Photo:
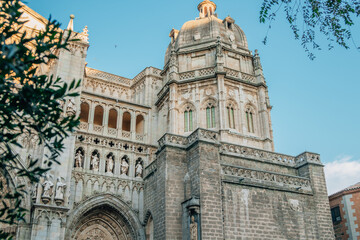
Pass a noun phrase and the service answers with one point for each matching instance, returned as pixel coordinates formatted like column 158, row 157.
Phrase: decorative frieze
column 257, row 154
column 252, row 176
column 184, row 142
column 90, row 72
column 114, row 143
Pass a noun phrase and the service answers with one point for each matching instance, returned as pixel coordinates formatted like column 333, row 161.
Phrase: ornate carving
column 47, row 189
column 71, row 108
column 95, row 162
column 257, row 154
column 139, row 168
column 187, row 75
column 59, row 191
column 193, row 229
column 293, row 181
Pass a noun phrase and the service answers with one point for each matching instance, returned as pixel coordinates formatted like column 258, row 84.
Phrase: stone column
column 106, row 119
column 133, row 125
column 172, row 108
column 91, row 117
column 119, row 123
column 264, row 120
column 221, row 94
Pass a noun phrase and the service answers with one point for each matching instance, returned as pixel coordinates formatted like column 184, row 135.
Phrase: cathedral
column 181, row 153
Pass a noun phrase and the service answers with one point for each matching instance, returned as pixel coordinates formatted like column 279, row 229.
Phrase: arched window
column 84, row 112
column 150, row 229
column 231, row 116
column 126, row 121
column 210, row 116
column 98, row 116
column 112, row 118
column 188, row 120
column 140, row 122
column 250, row 120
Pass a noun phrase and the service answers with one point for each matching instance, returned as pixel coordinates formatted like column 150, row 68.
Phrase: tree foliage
column 332, row 18
column 30, row 103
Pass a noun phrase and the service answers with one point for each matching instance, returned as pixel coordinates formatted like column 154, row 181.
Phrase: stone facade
column 345, row 211
column 185, row 152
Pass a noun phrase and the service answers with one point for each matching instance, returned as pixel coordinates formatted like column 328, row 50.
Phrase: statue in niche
column 124, row 167
column 193, row 229
column 59, row 189
column 110, row 164
column 71, row 108
column 138, row 169
column 95, row 162
column 34, row 191
column 47, row 187
column 78, row 159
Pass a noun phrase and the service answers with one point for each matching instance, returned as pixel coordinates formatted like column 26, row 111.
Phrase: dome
column 208, row 28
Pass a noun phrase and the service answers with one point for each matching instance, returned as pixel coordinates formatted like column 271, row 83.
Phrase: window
column 188, row 120
column 335, row 214
column 210, row 116
column 126, row 122
column 231, row 117
column 250, row 120
column 98, row 116
column 84, row 113
column 140, row 124
column 112, row 118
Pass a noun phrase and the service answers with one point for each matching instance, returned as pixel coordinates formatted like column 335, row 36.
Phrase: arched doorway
column 102, row 223
column 104, row 217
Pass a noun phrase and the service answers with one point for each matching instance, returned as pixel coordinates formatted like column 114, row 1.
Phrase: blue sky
column 315, row 103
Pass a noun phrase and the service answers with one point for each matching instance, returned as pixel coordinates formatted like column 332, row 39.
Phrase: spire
column 206, row 8
column 71, row 23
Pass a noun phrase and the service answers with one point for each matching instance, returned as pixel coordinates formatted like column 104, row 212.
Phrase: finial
column 206, row 8
column 71, row 23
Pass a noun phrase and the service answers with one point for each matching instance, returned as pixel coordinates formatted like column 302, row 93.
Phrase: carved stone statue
column 193, row 229
column 110, row 164
column 95, row 163
column 59, row 189
column 71, row 108
column 78, row 159
column 138, row 169
column 124, row 167
column 47, row 187
column 34, row 191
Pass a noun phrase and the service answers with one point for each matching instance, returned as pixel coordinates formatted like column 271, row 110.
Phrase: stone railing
column 257, row 154
column 246, row 175
column 248, row 77
column 187, row 75
column 112, row 131
column 126, row 134
column 98, row 129
column 206, row 72
column 139, row 137
column 231, row 72
column 84, row 126
column 184, row 142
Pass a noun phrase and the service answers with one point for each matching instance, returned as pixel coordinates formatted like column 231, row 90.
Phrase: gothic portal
column 183, row 152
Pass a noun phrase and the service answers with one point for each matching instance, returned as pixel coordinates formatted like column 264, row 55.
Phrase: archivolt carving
column 104, row 215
